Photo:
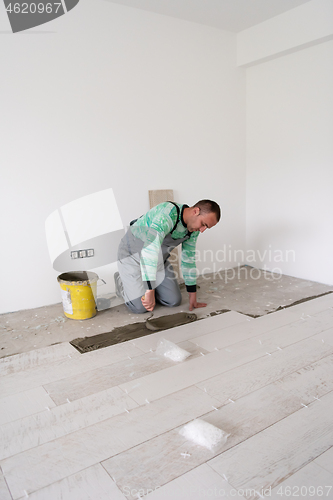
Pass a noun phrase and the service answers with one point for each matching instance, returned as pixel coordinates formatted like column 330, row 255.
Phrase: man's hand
column 148, row 300
column 193, row 301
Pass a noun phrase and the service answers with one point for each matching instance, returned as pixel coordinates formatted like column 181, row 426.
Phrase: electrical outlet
column 81, row 254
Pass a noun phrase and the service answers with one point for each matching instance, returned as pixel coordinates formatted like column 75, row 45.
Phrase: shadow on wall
column 84, row 234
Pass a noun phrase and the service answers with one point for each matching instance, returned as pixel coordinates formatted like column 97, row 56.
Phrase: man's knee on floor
column 136, row 307
column 176, row 303
column 173, row 301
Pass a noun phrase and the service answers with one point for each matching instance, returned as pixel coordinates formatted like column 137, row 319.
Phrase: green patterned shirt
column 152, row 228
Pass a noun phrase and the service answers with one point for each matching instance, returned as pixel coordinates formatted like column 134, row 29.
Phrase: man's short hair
column 208, row 206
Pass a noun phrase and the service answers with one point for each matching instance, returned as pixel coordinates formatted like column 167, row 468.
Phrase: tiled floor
column 105, row 425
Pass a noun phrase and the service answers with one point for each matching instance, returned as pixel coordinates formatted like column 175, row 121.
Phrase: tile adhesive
column 132, row 331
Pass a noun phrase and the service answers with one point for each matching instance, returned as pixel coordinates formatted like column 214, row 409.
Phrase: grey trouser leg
column 168, row 292
column 136, row 306
column 133, row 289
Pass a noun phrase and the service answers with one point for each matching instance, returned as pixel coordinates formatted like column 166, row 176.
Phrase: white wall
column 109, row 96
column 298, row 28
column 289, row 163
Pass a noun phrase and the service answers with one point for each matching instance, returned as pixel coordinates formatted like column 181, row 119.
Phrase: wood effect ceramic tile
column 323, row 316
column 38, row 357
column 53, row 461
column 4, row 491
column 265, row 330
column 226, row 337
column 154, row 463
column 183, row 375
column 102, row 378
column 310, row 382
column 62, row 368
column 325, row 337
column 276, row 319
column 266, row 327
column 93, row 483
column 253, row 413
column 290, row 315
column 46, row 426
column 279, row 337
column 293, row 332
column 326, row 460
column 270, row 457
column 314, row 305
column 192, row 330
column 197, row 484
column 164, row 458
column 309, row 482
column 258, row 373
column 23, row 404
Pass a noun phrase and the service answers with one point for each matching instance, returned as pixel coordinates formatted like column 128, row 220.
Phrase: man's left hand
column 193, row 301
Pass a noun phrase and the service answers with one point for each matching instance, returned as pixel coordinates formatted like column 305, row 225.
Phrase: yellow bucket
column 78, row 293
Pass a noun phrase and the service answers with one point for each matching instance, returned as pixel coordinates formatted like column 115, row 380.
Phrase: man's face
column 200, row 221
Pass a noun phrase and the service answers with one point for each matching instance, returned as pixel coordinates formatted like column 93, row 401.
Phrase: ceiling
column 229, row 15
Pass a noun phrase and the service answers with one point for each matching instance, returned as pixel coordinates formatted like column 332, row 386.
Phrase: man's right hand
column 148, row 300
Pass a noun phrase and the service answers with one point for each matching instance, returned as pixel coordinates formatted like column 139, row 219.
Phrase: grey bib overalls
column 166, row 287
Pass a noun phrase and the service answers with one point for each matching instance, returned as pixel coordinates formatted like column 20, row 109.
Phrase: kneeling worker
column 145, row 273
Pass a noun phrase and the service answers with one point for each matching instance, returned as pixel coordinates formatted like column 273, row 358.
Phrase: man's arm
column 153, row 237
column 189, row 270
column 157, row 224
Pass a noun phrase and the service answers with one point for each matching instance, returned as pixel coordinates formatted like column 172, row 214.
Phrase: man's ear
column 196, row 211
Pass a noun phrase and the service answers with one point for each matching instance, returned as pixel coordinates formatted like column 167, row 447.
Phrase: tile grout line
column 253, row 361
column 214, row 456
column 235, row 367
column 62, row 479
column 195, row 385
column 5, row 480
column 271, row 426
column 268, row 426
column 96, row 423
